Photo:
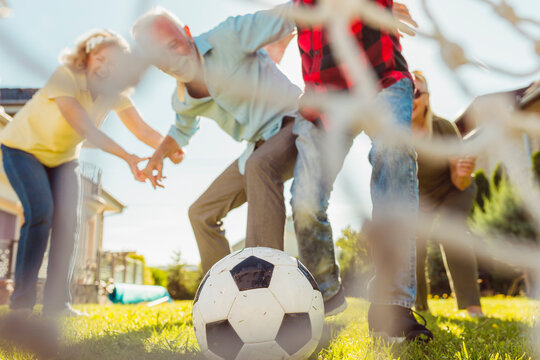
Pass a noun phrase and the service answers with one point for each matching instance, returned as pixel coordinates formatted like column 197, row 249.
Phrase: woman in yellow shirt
column 40, row 148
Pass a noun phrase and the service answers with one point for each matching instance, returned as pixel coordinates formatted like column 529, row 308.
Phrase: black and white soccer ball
column 258, row 303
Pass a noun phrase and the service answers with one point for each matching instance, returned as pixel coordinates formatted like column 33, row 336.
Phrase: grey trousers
column 261, row 186
column 459, row 258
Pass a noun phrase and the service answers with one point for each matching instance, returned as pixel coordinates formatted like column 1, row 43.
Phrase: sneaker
column 396, row 324
column 336, row 304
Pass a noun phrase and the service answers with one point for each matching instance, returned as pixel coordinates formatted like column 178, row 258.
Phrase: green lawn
column 166, row 332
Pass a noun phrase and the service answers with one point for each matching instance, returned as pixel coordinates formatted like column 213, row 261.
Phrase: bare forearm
column 167, row 147
column 102, row 141
column 138, row 127
column 78, row 119
column 151, row 137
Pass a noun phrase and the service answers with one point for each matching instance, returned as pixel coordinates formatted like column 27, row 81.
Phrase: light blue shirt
column 249, row 94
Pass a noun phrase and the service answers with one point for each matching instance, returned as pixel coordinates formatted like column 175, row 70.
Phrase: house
column 525, row 99
column 97, row 203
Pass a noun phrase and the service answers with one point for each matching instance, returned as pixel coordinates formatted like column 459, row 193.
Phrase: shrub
column 182, row 284
column 159, row 276
column 503, row 215
column 355, row 261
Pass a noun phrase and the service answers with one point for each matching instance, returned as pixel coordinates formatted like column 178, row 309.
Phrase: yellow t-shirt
column 40, row 129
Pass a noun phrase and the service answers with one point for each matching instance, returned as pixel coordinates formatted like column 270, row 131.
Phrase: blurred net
column 499, row 119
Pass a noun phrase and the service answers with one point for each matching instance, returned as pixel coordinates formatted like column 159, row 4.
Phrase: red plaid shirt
column 322, row 72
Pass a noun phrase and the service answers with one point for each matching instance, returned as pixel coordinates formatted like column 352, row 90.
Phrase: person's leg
column 421, row 303
column 394, row 193
column 458, row 254
column 206, row 215
column 316, row 169
column 65, row 185
column 29, row 179
column 266, row 169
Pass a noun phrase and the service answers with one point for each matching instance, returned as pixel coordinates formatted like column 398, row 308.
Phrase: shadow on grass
column 470, row 338
column 132, row 345
column 330, row 331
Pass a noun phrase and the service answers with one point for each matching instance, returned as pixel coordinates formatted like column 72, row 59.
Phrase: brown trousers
column 261, row 186
column 458, row 255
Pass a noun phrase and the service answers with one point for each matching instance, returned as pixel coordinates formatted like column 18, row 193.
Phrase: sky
column 155, row 222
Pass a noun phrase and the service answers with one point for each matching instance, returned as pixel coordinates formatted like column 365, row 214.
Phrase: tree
column 503, row 215
column 182, row 284
column 159, row 276
column 355, row 261
column 482, row 184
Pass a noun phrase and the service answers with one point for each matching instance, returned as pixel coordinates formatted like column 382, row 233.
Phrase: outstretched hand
column 154, row 172
column 401, row 12
column 133, row 163
column 177, row 156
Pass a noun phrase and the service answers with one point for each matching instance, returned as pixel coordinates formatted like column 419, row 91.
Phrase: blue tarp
column 133, row 294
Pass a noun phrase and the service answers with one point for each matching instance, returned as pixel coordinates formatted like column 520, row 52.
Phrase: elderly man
column 226, row 75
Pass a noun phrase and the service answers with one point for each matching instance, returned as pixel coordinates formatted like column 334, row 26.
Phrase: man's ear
column 163, row 25
column 188, row 32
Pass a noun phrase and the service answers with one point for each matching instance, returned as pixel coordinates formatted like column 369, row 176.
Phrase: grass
column 166, row 332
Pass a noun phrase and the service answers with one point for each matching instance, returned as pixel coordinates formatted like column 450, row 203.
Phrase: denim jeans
column 394, row 193
column 50, row 200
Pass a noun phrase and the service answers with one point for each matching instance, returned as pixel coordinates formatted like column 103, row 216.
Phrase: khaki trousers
column 270, row 165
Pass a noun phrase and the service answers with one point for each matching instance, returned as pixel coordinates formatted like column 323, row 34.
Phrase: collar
column 204, row 47
column 202, row 44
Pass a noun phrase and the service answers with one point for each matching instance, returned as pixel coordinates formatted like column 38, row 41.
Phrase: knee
column 307, row 214
column 258, row 167
column 195, row 214
column 39, row 214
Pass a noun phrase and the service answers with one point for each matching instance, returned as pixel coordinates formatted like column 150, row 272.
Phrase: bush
column 159, row 276
column 436, row 271
column 503, row 215
column 355, row 262
column 483, row 189
column 182, row 284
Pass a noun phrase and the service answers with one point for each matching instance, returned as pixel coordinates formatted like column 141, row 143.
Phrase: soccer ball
column 258, row 303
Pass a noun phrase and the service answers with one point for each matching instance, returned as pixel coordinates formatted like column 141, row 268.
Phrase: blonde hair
column 76, row 58
column 418, row 75
column 142, row 28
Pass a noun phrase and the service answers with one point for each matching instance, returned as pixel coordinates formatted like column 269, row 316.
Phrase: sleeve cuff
column 180, row 138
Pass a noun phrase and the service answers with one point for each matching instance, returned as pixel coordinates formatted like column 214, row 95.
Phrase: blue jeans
column 50, row 200
column 394, row 193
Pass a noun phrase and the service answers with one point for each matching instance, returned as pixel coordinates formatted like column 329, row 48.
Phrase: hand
column 465, row 166
column 133, row 163
column 177, row 156
column 401, row 12
column 154, row 171
column 309, row 113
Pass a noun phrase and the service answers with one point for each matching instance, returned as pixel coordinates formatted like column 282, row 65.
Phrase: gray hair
column 142, row 28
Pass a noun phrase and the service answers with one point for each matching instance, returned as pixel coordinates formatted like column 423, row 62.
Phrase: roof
column 14, row 99
column 4, row 118
column 466, row 123
column 531, row 95
column 16, row 96
column 112, row 204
